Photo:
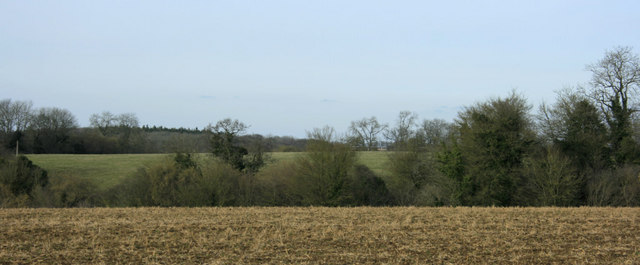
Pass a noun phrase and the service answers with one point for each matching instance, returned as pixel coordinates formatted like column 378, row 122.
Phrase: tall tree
column 366, row 132
column 123, row 127
column 127, row 120
column 403, row 131
column 575, row 126
column 109, row 123
column 103, row 121
column 325, row 170
column 225, row 145
column 14, row 120
column 553, row 179
column 434, row 132
column 51, row 128
column 224, row 142
column 326, row 134
column 493, row 139
column 616, row 78
column 14, row 116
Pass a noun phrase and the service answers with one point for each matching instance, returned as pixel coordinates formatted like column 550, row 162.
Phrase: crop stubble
column 321, row 235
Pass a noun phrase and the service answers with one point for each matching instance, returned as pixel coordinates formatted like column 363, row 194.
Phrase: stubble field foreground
column 321, row 235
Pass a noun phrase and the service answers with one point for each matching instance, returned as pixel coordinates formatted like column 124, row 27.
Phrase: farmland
column 108, row 170
column 103, row 170
column 361, row 235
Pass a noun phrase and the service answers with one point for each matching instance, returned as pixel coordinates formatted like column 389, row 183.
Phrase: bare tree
column 54, row 119
column 129, row 120
column 51, row 128
column 125, row 127
column 108, row 122
column 555, row 181
column 404, row 130
column 103, row 121
column 6, row 118
column 366, row 131
column 325, row 134
column 615, row 187
column 14, row 116
column 14, row 121
column 434, row 131
column 616, row 78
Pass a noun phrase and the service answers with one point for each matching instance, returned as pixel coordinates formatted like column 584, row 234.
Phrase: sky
column 286, row 67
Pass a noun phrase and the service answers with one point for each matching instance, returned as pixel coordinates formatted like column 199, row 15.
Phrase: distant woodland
column 583, row 149
column 56, row 131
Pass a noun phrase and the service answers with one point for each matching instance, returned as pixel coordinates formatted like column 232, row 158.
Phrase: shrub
column 615, row 187
column 553, row 180
column 18, row 178
column 132, row 191
column 369, row 189
column 170, row 182
column 417, row 180
column 277, row 185
column 180, row 182
column 324, row 174
column 71, row 191
column 220, row 181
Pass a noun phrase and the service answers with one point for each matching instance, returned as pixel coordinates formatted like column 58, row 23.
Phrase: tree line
column 581, row 150
column 56, row 131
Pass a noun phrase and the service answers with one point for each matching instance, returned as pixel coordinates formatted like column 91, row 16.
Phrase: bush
column 278, row 185
column 493, row 139
column 182, row 182
column 18, row 178
column 416, row 179
column 324, row 174
column 412, row 166
column 70, row 191
column 10, row 200
column 170, row 182
column 369, row 189
column 221, row 183
column 132, row 191
column 615, row 187
column 553, row 180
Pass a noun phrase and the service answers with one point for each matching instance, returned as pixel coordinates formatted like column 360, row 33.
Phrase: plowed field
column 321, row 235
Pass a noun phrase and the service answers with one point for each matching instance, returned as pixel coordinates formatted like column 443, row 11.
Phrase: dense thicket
column 19, row 181
column 581, row 150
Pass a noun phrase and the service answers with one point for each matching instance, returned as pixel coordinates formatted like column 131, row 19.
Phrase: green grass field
column 108, row 170
column 103, row 170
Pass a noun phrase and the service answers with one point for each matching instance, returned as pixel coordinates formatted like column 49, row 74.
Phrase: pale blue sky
column 285, row 67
